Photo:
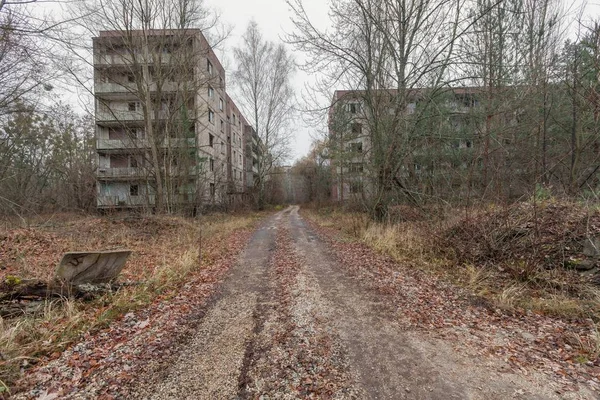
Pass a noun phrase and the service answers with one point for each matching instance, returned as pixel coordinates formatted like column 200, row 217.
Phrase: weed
column 165, row 252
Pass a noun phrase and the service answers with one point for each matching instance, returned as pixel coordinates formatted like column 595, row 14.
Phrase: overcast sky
column 273, row 18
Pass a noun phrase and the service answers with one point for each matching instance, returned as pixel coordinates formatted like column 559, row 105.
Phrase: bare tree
column 26, row 62
column 263, row 76
column 386, row 52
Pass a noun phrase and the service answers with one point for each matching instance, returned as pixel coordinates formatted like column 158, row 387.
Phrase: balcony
column 114, row 89
column 125, row 201
column 120, row 144
column 107, row 59
column 113, row 173
column 118, row 116
column 132, row 144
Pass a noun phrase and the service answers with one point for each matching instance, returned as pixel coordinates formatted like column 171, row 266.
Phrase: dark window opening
column 211, row 140
column 134, row 190
column 356, row 147
column 356, row 187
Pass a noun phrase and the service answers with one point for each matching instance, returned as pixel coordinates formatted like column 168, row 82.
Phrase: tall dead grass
column 166, row 251
column 518, row 285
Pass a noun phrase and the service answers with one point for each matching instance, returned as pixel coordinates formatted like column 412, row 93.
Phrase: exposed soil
column 302, row 314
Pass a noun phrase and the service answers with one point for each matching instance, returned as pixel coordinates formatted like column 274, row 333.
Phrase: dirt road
column 290, row 322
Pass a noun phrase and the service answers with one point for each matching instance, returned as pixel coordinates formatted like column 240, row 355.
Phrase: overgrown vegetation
column 166, row 252
column 517, row 258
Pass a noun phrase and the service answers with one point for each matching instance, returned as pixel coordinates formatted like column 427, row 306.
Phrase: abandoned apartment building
column 349, row 133
column 167, row 131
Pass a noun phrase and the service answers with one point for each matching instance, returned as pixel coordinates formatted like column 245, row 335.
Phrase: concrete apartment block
column 163, row 114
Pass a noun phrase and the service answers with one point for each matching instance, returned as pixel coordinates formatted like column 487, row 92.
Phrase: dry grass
column 165, row 253
column 514, row 285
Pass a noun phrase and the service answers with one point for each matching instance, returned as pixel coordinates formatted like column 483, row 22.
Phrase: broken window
column 356, row 167
column 356, row 187
column 356, row 147
column 353, row 108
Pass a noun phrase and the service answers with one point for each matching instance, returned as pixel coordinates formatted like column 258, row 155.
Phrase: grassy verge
column 510, row 284
column 166, row 252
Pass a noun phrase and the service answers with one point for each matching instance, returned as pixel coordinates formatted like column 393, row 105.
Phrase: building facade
column 168, row 134
column 351, row 144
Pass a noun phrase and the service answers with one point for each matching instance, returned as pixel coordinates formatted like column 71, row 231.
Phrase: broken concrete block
column 91, row 267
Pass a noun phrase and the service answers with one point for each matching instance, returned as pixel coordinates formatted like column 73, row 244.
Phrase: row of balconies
column 114, row 88
column 124, row 144
column 137, row 115
column 140, row 201
column 107, row 58
column 115, row 201
column 135, row 172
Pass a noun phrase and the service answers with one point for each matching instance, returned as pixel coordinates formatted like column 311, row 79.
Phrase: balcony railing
column 129, row 144
column 107, row 88
column 127, row 59
column 119, row 115
column 125, row 201
column 138, row 115
column 120, row 172
column 116, row 144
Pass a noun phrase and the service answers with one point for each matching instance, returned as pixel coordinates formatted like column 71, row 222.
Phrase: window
column 353, row 108
column 209, row 66
column 356, row 147
column 134, row 190
column 212, row 165
column 132, row 106
column 355, row 187
column 130, row 77
column 211, row 140
column 221, row 104
column 211, row 116
column 133, row 162
column 357, row 128
column 356, row 167
column 212, row 189
column 233, row 115
column 211, row 92
column 222, row 126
